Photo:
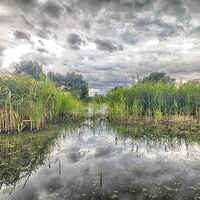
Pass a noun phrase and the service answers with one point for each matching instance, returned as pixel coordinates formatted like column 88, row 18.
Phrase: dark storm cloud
column 68, row 9
column 131, row 37
column 86, row 24
column 97, row 84
column 74, row 41
column 42, row 50
column 194, row 6
column 103, row 68
column 52, row 9
column 167, row 33
column 2, row 48
column 74, row 47
column 105, row 79
column 55, row 36
column 41, row 42
column 151, row 27
column 125, row 29
column 27, row 2
column 195, row 32
column 43, row 34
column 142, row 3
column 25, row 5
column 118, row 6
column 178, row 70
column 46, row 23
column 174, row 7
column 25, row 20
column 22, row 35
column 146, row 22
column 120, row 47
column 107, row 45
column 98, row 2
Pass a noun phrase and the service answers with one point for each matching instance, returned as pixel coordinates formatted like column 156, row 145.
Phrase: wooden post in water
column 101, row 179
column 59, row 167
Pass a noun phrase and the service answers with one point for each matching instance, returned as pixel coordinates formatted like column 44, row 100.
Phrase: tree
column 156, row 77
column 33, row 69
column 72, row 82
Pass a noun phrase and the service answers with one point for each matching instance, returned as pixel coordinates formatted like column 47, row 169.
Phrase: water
column 94, row 160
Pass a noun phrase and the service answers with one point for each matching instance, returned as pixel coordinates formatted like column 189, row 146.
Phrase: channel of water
column 96, row 160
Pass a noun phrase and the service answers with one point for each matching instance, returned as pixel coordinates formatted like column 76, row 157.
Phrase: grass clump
column 26, row 102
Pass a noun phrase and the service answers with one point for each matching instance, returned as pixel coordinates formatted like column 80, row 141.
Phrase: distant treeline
column 29, row 103
column 71, row 82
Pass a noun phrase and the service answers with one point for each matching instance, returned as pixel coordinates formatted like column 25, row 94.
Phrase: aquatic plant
column 155, row 99
column 24, row 100
column 21, row 154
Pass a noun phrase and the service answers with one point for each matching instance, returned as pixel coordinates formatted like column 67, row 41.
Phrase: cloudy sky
column 107, row 41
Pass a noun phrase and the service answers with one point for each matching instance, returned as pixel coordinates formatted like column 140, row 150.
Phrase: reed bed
column 155, row 103
column 25, row 102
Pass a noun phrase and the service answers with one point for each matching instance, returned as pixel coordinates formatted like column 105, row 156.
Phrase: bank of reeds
column 25, row 102
column 155, row 102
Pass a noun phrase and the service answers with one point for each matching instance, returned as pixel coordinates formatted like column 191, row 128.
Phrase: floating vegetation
column 54, row 195
column 21, row 154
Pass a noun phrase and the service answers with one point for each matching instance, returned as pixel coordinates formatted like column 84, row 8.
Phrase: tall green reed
column 156, row 99
column 34, row 102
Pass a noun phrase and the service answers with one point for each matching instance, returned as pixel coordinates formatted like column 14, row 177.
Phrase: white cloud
column 93, row 91
column 121, row 38
column 52, row 46
column 152, row 42
column 13, row 54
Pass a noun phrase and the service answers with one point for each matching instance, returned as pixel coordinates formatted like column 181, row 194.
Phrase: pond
column 96, row 160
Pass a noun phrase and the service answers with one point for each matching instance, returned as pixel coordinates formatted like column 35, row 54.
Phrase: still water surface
column 97, row 161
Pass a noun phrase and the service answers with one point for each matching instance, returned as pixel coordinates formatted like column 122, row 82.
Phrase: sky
column 107, row 41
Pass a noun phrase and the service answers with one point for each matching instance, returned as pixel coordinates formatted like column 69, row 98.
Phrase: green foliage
column 24, row 100
column 71, row 82
column 100, row 98
column 33, row 69
column 155, row 97
column 157, row 77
